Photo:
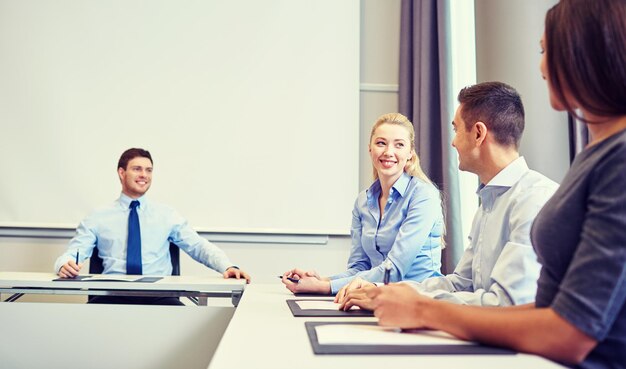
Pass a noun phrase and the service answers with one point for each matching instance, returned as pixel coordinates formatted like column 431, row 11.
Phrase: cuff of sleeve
column 58, row 265
column 336, row 284
column 223, row 265
column 417, row 286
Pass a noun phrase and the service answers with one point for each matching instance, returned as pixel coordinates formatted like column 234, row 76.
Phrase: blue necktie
column 133, row 250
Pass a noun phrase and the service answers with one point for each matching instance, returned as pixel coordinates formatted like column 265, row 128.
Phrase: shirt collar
column 501, row 183
column 508, row 176
column 125, row 201
column 400, row 186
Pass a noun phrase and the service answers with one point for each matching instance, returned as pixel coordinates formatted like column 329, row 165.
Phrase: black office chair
column 95, row 262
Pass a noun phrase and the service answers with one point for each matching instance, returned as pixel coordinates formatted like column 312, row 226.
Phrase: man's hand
column 69, row 269
column 397, row 305
column 357, row 298
column 236, row 273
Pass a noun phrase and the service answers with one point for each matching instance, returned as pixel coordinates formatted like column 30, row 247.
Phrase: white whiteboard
column 249, row 108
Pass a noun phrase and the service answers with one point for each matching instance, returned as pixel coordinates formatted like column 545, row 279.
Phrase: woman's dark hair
column 585, row 41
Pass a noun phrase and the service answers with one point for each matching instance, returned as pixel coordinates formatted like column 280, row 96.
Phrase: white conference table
column 264, row 334
column 102, row 336
column 197, row 288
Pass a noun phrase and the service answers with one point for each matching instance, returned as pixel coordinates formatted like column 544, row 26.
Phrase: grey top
column 580, row 240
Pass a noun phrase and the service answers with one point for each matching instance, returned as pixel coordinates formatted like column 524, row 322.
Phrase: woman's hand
column 308, row 285
column 356, row 283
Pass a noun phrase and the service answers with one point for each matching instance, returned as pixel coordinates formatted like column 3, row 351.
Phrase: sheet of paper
column 356, row 334
column 320, row 305
column 113, row 278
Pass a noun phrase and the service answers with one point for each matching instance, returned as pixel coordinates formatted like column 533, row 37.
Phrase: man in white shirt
column 499, row 267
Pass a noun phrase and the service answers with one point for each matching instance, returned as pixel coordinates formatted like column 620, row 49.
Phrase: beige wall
column 379, row 71
column 507, row 50
column 380, row 53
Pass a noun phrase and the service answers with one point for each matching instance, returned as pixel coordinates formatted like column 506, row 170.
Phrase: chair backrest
column 95, row 262
column 175, row 256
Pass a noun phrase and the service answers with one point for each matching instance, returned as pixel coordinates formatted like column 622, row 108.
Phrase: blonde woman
column 397, row 223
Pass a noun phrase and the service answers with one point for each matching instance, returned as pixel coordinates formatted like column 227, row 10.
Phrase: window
column 463, row 50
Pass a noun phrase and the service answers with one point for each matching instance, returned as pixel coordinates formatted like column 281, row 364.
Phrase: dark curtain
column 426, row 98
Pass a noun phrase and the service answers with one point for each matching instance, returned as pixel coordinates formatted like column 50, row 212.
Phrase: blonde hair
column 412, row 166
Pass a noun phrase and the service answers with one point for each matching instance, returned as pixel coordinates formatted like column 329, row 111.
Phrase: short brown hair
column 130, row 154
column 498, row 106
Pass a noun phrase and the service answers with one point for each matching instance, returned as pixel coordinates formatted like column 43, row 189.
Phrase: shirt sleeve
column 513, row 282
column 82, row 243
column 447, row 287
column 423, row 212
column 593, row 290
column 199, row 248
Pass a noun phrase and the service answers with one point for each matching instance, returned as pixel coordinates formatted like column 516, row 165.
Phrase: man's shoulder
column 533, row 189
column 533, row 180
column 164, row 213
column 160, row 207
column 103, row 215
column 109, row 208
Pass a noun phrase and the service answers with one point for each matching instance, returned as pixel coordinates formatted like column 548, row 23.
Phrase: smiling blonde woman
column 397, row 223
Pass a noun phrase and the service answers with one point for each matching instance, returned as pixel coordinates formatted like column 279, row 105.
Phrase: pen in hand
column 388, row 266
column 77, row 253
column 290, row 279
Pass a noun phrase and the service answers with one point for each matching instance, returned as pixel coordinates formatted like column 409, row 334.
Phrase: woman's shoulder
column 610, row 147
column 605, row 156
column 372, row 190
column 362, row 197
column 419, row 187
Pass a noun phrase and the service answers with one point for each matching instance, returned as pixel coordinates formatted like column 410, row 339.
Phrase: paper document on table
column 320, row 305
column 113, row 278
column 109, row 278
column 366, row 338
column 356, row 334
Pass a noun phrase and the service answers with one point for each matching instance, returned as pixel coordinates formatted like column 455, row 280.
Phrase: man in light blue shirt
column 499, row 267
column 108, row 229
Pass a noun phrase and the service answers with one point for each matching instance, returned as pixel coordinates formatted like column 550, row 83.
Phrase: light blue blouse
column 408, row 234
